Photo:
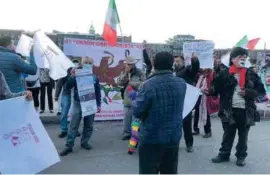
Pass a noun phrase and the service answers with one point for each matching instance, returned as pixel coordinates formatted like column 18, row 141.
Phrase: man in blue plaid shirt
column 159, row 105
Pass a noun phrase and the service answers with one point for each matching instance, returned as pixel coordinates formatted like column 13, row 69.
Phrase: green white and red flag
column 110, row 26
column 252, row 43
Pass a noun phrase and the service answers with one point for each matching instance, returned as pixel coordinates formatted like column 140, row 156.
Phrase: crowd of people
column 153, row 102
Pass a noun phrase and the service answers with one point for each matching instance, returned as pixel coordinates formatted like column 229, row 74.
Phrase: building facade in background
column 173, row 45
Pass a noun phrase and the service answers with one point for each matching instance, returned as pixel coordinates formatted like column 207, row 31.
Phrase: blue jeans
column 65, row 105
column 75, row 123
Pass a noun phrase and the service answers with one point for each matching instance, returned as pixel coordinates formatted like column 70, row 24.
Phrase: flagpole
column 120, row 28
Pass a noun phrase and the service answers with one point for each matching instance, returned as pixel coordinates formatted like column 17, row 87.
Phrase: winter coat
column 224, row 85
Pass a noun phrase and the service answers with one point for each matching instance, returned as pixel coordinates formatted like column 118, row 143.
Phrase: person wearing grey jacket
column 13, row 66
column 134, row 77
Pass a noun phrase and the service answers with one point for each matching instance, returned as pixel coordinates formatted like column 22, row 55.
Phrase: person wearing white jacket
column 33, row 85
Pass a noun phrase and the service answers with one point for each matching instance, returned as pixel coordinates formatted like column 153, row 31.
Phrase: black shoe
column 78, row 135
column 62, row 135
column 51, row 111
column 130, row 152
column 196, row 133
column 240, row 162
column 65, row 152
column 86, row 146
column 58, row 113
column 126, row 137
column 190, row 149
column 41, row 112
column 219, row 159
column 207, row 135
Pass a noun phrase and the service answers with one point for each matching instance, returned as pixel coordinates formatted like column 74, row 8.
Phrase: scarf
column 242, row 75
column 203, row 106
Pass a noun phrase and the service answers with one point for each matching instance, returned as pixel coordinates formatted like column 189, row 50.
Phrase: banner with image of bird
column 108, row 65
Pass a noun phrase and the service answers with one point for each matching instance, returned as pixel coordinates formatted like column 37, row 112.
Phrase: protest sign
column 86, row 91
column 191, row 98
column 203, row 50
column 108, row 65
column 25, row 145
column 59, row 63
column 24, row 45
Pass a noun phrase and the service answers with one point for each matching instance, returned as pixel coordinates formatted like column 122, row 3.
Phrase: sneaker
column 196, row 133
column 240, row 162
column 51, row 111
column 78, row 135
column 219, row 159
column 207, row 135
column 62, row 134
column 86, row 146
column 65, row 152
column 190, row 149
column 41, row 112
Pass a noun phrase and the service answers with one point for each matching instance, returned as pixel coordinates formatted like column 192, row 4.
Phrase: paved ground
column 109, row 154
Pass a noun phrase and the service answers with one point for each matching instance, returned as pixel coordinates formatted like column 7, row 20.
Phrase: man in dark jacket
column 77, row 112
column 188, row 73
column 238, row 88
column 159, row 105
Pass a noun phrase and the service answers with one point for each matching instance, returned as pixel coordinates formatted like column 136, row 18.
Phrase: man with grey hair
column 134, row 77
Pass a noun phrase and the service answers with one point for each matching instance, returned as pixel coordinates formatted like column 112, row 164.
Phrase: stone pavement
column 109, row 154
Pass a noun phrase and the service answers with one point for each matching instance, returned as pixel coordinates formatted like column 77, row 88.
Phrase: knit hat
column 237, row 51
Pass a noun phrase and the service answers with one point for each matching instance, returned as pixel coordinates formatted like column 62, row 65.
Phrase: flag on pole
column 243, row 42
column 252, row 43
column 110, row 26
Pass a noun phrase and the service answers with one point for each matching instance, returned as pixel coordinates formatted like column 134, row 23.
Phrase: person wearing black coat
column 238, row 87
column 188, row 73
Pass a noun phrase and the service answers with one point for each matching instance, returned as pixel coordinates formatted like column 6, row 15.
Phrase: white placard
column 59, row 63
column 191, row 98
column 203, row 50
column 25, row 145
column 24, row 45
column 86, row 92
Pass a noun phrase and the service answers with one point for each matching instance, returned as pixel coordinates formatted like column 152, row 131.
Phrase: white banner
column 47, row 49
column 108, row 64
column 86, row 92
column 25, row 145
column 191, row 98
column 203, row 50
column 24, row 45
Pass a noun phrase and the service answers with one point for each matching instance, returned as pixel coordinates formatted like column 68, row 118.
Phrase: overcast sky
column 223, row 21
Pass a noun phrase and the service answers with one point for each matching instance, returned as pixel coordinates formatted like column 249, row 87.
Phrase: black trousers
column 49, row 88
column 35, row 94
column 197, row 116
column 207, row 126
column 240, row 125
column 187, row 127
column 157, row 158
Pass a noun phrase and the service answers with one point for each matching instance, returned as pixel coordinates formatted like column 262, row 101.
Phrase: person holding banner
column 134, row 77
column 88, row 121
column 238, row 88
column 5, row 92
column 159, row 105
column 13, row 66
column 188, row 73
